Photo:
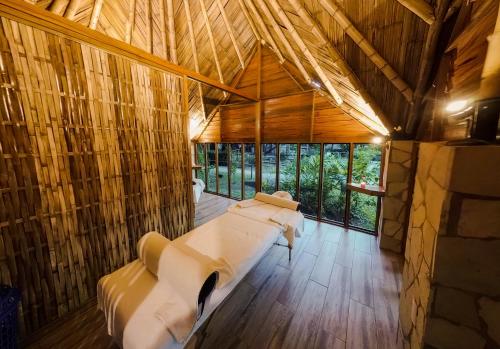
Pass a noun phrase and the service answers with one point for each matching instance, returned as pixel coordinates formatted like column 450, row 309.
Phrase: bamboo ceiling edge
column 32, row 15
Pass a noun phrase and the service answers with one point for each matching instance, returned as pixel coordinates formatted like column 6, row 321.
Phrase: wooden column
column 258, row 116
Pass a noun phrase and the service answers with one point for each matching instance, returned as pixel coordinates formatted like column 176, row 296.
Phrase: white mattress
column 241, row 241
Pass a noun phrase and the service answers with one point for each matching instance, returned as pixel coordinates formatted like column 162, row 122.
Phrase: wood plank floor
column 338, row 291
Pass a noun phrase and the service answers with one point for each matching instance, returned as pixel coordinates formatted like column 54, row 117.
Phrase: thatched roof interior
column 379, row 93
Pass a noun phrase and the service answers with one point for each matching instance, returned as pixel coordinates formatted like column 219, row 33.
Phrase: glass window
column 335, row 168
column 249, row 176
column 200, row 160
column 309, row 178
column 268, row 159
column 288, row 169
column 366, row 168
column 236, row 179
column 211, row 180
column 222, row 166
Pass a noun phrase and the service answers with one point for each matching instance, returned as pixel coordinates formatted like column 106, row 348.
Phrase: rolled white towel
column 249, row 203
column 277, row 201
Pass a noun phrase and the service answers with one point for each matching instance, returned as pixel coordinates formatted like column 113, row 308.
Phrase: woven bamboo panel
column 93, row 154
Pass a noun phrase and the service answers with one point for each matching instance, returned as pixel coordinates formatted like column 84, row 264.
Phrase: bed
column 134, row 297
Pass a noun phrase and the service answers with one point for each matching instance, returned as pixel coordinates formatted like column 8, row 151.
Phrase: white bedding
column 134, row 295
column 291, row 222
column 198, row 188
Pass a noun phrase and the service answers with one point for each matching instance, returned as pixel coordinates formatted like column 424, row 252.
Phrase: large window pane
column 200, row 160
column 236, row 171
column 335, row 167
column 211, row 185
column 309, row 178
column 223, row 168
column 249, row 176
column 366, row 168
column 288, row 169
column 268, row 168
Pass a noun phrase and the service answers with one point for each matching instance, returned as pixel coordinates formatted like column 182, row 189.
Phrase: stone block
column 426, row 157
column 441, row 166
column 395, row 188
column 490, row 313
column 392, row 208
column 475, row 170
column 406, row 146
column 456, row 306
column 397, row 173
column 468, row 264
column 390, row 228
column 399, row 156
column 479, row 218
column 443, row 334
column 418, row 217
column 390, row 243
column 434, row 197
column 418, row 194
column 429, row 236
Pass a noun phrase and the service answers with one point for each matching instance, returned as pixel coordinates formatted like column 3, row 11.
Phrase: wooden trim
column 320, row 184
column 372, row 190
column 129, row 26
column 297, row 174
column 242, row 171
column 345, row 23
column 421, row 8
column 305, row 51
column 311, row 124
column 171, row 32
column 249, row 20
column 217, row 168
column 34, row 16
column 258, row 121
column 185, row 111
column 96, row 12
column 347, row 208
column 211, row 40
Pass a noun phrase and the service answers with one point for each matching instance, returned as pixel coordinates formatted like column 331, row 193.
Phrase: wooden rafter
column 58, row 6
column 339, row 61
column 249, row 20
column 171, row 32
column 230, row 30
column 283, row 40
column 426, row 61
column 96, row 12
column 149, row 27
column 163, row 29
column 421, row 8
column 130, row 22
column 305, row 50
column 211, row 39
column 194, row 50
column 266, row 32
column 331, row 7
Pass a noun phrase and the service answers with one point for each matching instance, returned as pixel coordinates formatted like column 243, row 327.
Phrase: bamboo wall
column 93, row 154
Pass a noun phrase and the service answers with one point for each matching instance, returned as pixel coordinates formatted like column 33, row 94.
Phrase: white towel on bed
column 249, row 203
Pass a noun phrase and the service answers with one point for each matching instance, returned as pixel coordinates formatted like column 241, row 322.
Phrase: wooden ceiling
column 372, row 58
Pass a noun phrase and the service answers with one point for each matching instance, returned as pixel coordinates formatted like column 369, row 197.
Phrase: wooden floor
column 338, row 291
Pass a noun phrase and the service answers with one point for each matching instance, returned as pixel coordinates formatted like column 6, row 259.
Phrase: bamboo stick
column 421, row 8
column 211, row 39
column 331, row 7
column 283, row 40
column 58, row 6
column 96, row 11
column 340, row 63
column 231, row 33
column 72, row 9
column 149, row 27
column 266, row 32
column 163, row 29
column 310, row 57
column 171, row 32
column 130, row 22
column 249, row 20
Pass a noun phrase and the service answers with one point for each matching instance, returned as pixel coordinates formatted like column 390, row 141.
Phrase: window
column 211, row 180
column 200, row 160
column 249, row 175
column 309, row 178
column 366, row 168
column 268, row 159
column 236, row 178
column 223, row 168
column 288, row 169
column 335, row 170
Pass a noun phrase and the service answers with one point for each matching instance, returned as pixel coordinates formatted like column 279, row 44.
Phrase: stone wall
column 402, row 155
column 451, row 278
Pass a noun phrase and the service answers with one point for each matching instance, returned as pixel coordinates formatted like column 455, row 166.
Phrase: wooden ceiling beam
column 31, row 15
column 149, row 27
column 129, row 26
column 163, row 28
column 331, row 7
column 340, row 62
column 194, row 51
column 421, row 8
column 283, row 39
column 171, row 32
column 266, row 31
column 72, row 9
column 305, row 50
column 426, row 62
column 58, row 6
column 96, row 12
column 230, row 30
column 249, row 20
column 211, row 39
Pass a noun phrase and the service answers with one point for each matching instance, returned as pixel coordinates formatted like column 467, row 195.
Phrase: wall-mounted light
column 457, row 106
column 315, row 84
column 377, row 140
